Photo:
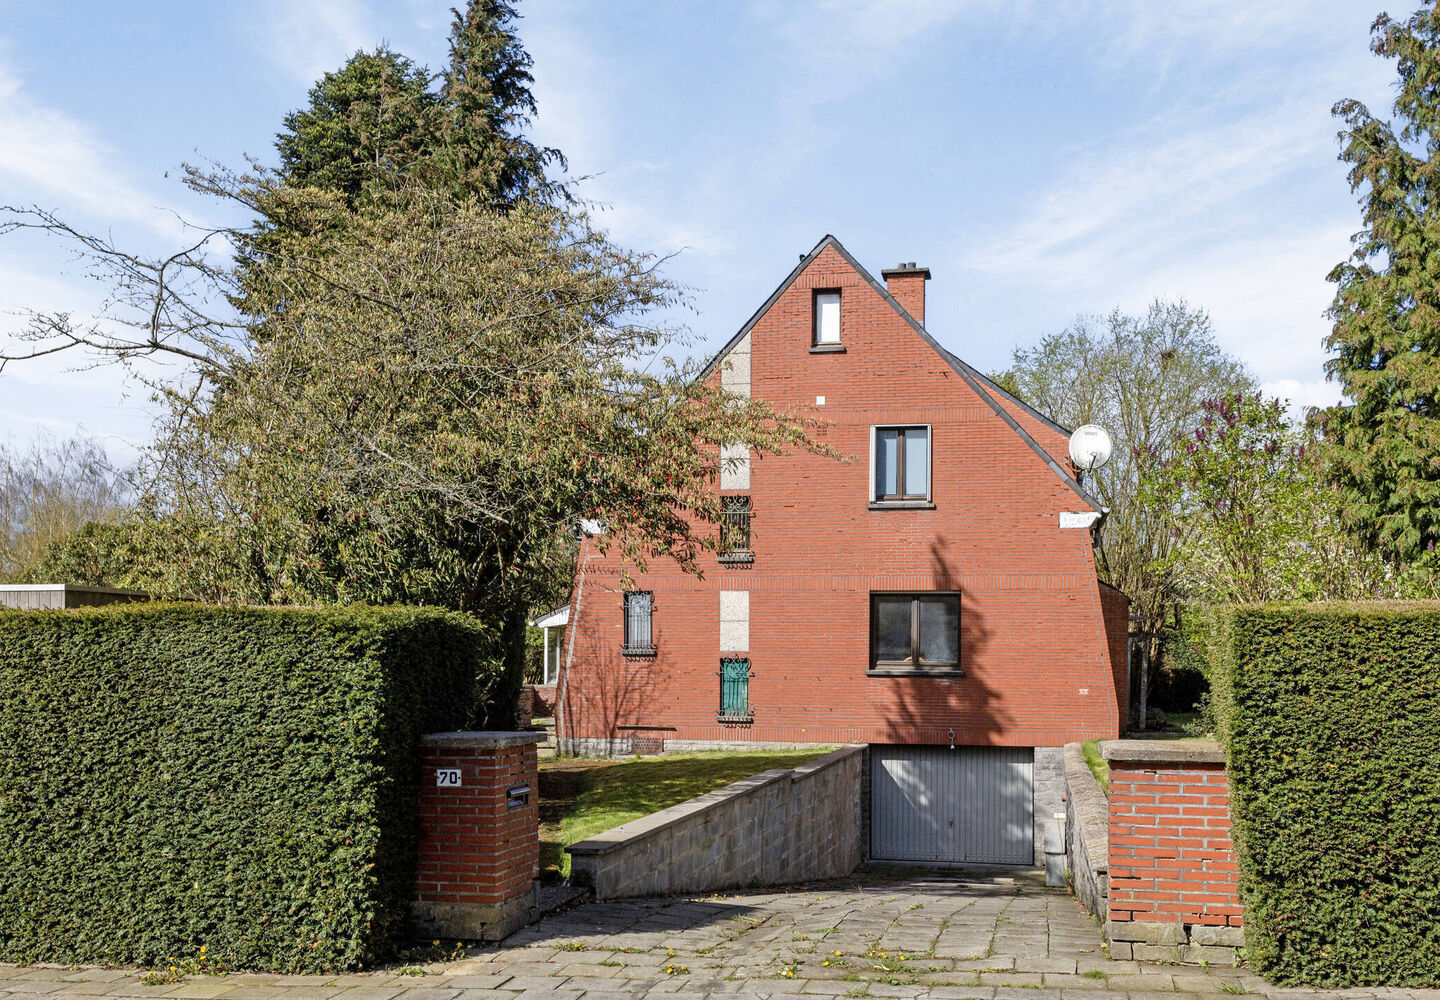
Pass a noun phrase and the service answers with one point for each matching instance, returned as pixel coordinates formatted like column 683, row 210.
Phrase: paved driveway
column 897, row 934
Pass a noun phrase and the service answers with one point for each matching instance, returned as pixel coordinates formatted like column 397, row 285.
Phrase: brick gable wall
column 1037, row 665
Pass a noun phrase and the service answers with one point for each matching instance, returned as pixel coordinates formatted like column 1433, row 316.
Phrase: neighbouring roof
column 68, row 588
column 984, row 387
column 560, row 616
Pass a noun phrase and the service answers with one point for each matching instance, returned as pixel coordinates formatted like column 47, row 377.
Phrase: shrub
column 173, row 776
column 1331, row 718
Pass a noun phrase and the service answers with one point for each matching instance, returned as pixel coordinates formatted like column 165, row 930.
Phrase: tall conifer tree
column 488, row 103
column 1385, row 342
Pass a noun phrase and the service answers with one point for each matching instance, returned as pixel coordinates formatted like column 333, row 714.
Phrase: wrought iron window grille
column 735, row 674
column 735, row 530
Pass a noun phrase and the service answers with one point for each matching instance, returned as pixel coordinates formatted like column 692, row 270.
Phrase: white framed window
column 827, row 317
column 900, row 464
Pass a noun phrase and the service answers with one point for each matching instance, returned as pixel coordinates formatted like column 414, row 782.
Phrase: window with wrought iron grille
column 639, row 623
column 735, row 689
column 735, row 530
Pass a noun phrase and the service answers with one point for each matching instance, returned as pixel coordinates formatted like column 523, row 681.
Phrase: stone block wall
column 1172, row 864
column 1087, row 834
column 479, row 835
column 1049, row 784
column 774, row 828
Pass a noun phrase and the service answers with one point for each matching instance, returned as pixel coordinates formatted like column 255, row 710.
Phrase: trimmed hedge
column 1330, row 714
column 173, row 776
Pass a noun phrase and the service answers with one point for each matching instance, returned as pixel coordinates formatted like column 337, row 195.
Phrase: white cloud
column 1303, row 395
column 846, row 41
column 308, row 38
column 1152, row 192
column 49, row 156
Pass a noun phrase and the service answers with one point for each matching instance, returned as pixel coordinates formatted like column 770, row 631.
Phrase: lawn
column 1097, row 764
column 580, row 797
column 1180, row 720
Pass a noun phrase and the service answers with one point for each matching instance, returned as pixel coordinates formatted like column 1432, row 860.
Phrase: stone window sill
column 827, row 349
column 907, row 672
column 900, row 505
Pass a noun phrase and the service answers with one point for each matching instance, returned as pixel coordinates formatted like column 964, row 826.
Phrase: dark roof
column 982, row 385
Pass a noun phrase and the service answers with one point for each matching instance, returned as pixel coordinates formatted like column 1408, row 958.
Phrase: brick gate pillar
column 479, row 835
column 1172, row 864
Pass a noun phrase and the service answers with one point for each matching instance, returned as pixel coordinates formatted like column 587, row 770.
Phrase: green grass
column 634, row 788
column 1098, row 766
column 1182, row 720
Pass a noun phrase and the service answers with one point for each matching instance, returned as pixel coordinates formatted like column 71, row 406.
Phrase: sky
column 1044, row 160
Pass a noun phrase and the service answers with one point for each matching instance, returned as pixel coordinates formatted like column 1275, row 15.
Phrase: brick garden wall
column 1172, row 878
column 1037, row 661
column 479, row 847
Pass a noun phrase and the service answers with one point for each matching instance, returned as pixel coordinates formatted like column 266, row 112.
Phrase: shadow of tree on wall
column 976, row 806
column 925, row 709
column 615, row 692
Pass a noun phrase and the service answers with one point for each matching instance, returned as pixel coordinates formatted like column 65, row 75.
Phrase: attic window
column 827, row 318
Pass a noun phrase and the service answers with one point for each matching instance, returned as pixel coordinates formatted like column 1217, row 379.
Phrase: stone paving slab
column 900, row 934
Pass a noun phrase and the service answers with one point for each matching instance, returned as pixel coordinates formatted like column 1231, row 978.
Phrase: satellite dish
column 1091, row 447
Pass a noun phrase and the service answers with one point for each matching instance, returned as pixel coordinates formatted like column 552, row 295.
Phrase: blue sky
column 1043, row 159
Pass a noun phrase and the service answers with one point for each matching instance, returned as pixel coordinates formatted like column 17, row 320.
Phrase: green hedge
column 1331, row 718
column 173, row 776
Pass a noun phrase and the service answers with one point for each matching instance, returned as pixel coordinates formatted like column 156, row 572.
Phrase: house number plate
column 447, row 777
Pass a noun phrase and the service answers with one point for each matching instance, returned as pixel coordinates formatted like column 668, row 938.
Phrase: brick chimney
column 906, row 283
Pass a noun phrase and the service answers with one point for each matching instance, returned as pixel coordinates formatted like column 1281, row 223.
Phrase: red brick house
column 937, row 591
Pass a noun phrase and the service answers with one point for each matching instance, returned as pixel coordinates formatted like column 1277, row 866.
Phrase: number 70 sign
column 447, row 777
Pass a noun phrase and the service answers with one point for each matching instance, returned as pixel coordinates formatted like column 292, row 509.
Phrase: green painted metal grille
column 734, row 686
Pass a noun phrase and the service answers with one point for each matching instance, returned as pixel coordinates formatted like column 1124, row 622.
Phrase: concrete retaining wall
column 1087, row 833
column 775, row 828
column 624, row 746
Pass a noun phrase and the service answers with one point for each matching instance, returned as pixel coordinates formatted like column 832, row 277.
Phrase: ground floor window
column 735, row 689
column 639, row 608
column 915, row 631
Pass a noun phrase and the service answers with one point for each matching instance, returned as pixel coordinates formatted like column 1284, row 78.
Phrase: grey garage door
column 969, row 804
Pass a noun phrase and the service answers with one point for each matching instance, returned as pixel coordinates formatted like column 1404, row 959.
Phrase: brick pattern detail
column 909, row 291
column 1171, row 859
column 474, row 848
column 1036, row 655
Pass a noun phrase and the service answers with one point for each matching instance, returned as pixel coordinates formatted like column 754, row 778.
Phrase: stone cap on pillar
column 1163, row 751
column 479, row 740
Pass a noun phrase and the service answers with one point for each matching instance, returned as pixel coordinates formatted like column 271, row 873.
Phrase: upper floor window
column 735, row 530
column 639, row 611
column 827, row 318
column 910, row 632
column 902, row 464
